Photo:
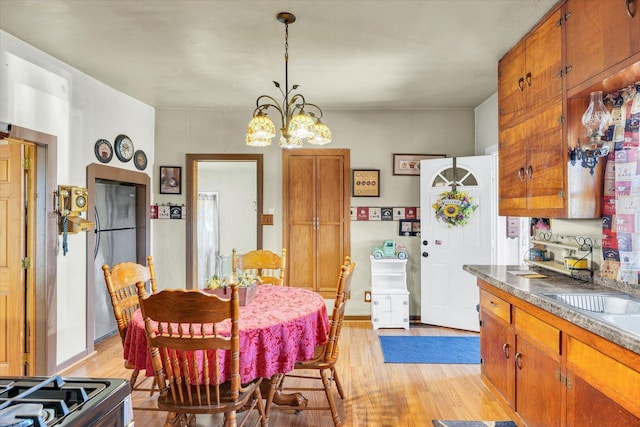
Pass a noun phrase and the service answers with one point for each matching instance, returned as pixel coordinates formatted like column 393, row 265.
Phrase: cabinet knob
column 375, row 303
column 521, row 174
column 631, row 8
column 521, row 84
column 425, row 242
column 519, row 360
column 425, row 254
column 505, row 349
column 528, row 78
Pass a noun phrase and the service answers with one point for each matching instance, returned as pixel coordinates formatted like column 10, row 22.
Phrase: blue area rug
column 428, row 349
column 443, row 423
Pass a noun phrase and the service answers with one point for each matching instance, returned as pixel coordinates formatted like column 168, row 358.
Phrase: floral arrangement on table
column 454, row 208
column 243, row 279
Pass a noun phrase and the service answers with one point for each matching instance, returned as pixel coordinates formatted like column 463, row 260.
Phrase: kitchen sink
column 629, row 322
column 619, row 310
column 599, row 303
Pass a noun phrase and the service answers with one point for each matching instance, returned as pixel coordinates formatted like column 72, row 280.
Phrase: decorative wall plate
column 103, row 150
column 140, row 160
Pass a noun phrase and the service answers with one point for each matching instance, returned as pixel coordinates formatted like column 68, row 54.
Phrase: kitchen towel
column 431, row 349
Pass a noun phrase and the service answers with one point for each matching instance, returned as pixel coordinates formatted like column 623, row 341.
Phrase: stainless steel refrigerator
column 115, row 218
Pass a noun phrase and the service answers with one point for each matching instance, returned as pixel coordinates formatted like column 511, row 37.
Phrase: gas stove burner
column 64, row 402
column 21, row 415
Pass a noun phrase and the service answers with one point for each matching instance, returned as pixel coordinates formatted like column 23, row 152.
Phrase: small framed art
column 170, row 180
column 409, row 164
column 365, row 183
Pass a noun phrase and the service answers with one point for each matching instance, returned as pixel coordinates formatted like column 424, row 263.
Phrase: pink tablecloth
column 279, row 327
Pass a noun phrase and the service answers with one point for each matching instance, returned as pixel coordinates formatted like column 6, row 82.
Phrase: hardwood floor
column 377, row 394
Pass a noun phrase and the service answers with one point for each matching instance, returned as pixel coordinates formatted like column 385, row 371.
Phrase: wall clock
column 103, row 150
column 140, row 160
column 124, row 148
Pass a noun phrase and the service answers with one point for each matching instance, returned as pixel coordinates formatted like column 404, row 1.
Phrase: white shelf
column 559, row 267
column 578, row 248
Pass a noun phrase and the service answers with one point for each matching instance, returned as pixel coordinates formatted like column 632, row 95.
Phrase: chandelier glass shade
column 297, row 125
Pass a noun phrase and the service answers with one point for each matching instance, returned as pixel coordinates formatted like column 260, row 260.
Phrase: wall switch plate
column 367, row 296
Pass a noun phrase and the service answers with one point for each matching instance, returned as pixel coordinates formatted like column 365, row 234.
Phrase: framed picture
column 409, row 164
column 365, row 183
column 170, row 180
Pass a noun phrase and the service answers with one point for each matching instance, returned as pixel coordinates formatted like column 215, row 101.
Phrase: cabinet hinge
column 561, row 194
column 27, row 164
column 560, row 120
column 25, row 263
column 480, row 322
column 564, row 380
column 25, row 359
column 481, row 361
column 563, row 19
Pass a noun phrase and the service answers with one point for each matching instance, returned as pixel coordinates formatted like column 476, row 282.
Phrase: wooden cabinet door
column 546, row 164
column 316, row 217
column 301, row 213
column 543, row 63
column 511, row 86
column 538, row 387
column 497, row 350
column 512, row 163
column 599, row 34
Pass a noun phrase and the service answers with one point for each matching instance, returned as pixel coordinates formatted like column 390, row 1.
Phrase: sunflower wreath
column 454, row 208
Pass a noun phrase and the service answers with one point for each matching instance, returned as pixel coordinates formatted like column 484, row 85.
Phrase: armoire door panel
column 331, row 254
column 302, row 194
column 300, row 256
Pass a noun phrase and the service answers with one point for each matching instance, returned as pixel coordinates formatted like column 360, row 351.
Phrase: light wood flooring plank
column 377, row 394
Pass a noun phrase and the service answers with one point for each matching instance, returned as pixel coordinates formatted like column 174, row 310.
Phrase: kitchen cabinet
column 600, row 34
column 537, row 365
column 529, row 74
column 547, row 371
column 316, row 226
column 600, row 389
column 520, row 360
column 497, row 346
column 389, row 294
column 532, row 155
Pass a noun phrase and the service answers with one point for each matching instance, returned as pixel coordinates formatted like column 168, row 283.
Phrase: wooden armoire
column 316, row 227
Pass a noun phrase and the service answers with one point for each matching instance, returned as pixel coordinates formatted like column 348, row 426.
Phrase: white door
column 449, row 294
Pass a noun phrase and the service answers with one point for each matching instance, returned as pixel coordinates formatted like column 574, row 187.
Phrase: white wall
column 372, row 136
column 41, row 93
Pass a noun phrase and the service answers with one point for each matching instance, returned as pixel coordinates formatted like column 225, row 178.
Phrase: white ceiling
column 344, row 54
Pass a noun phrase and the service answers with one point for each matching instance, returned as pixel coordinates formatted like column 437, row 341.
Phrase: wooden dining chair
column 269, row 266
column 185, row 337
column 325, row 356
column 121, row 284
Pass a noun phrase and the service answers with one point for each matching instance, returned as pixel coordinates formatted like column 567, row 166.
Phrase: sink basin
column 599, row 303
column 629, row 322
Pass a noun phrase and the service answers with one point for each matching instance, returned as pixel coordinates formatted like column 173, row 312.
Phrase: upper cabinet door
column 542, row 77
column 511, row 86
column 599, row 35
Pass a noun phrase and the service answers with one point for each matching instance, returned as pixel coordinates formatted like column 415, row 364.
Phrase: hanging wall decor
column 454, row 207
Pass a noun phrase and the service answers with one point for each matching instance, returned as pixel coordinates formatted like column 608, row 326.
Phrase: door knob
column 425, row 254
column 425, row 242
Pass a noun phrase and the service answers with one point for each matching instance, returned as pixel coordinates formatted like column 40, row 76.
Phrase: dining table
column 280, row 326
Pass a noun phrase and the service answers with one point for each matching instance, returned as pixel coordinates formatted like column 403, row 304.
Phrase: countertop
column 526, row 289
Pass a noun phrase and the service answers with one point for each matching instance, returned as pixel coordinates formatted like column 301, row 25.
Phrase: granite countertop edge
column 528, row 289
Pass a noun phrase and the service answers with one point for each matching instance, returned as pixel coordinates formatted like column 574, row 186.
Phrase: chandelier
column 297, row 124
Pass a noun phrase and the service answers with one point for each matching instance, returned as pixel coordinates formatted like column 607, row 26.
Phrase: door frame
column 142, row 182
column 192, row 161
